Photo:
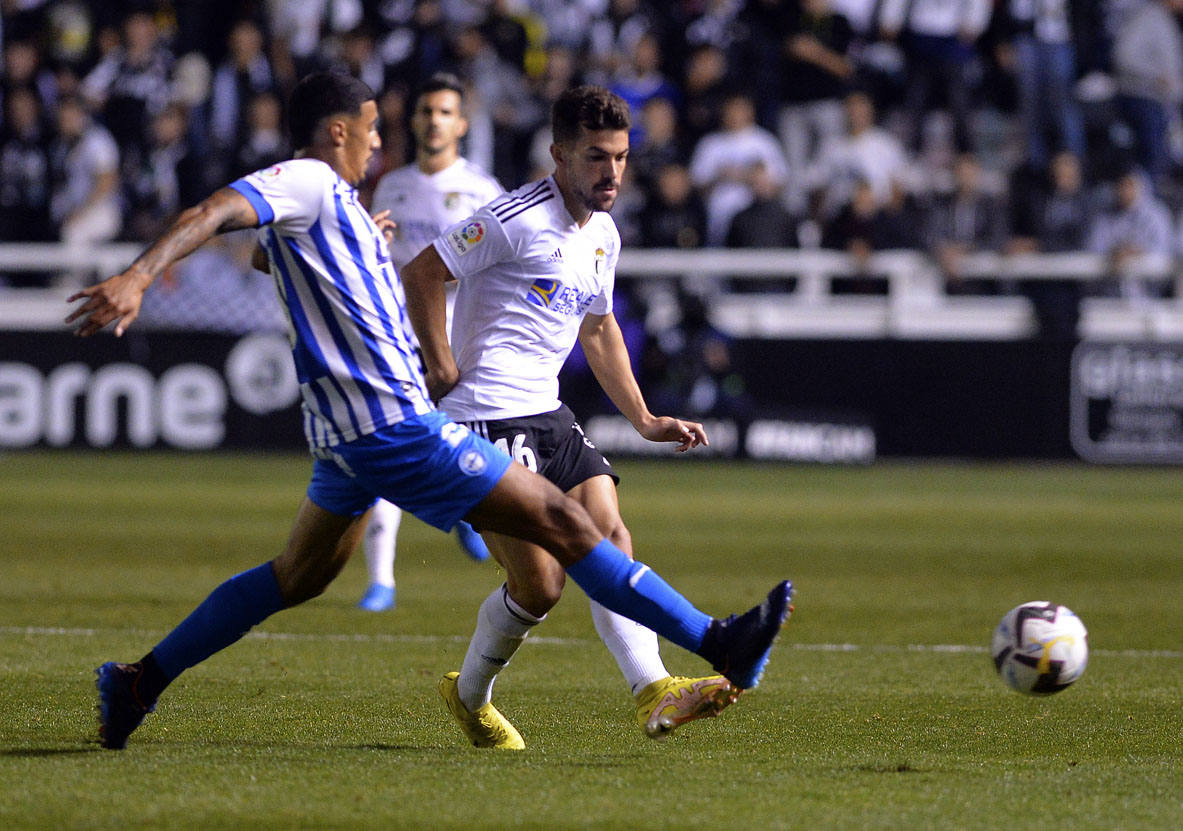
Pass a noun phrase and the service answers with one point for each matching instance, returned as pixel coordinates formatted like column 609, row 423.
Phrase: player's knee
column 300, row 580
column 572, row 528
column 620, row 537
column 540, row 595
column 303, row 588
column 539, row 590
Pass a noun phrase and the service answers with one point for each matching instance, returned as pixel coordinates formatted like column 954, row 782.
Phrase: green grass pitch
column 880, row 707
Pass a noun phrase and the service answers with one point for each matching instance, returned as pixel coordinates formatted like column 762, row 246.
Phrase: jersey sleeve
column 474, row 244
column 602, row 305
column 288, row 195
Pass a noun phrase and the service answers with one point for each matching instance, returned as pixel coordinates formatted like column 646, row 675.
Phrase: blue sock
column 222, row 618
column 634, row 590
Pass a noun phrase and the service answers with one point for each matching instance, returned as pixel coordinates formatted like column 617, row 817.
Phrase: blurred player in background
column 371, row 428
column 536, row 269
column 423, row 198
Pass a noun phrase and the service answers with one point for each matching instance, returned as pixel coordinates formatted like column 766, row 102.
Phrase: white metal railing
column 916, row 304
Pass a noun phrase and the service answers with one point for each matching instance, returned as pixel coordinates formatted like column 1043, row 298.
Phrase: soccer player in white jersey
column 536, row 270
column 423, row 198
column 370, row 425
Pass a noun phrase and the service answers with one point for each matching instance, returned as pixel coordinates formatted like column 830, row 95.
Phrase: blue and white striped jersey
column 346, row 311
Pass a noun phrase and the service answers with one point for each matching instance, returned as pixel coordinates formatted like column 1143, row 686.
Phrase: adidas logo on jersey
column 556, row 257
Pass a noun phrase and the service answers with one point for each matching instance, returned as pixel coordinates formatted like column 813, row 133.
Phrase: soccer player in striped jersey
column 536, row 270
column 371, row 428
column 423, row 198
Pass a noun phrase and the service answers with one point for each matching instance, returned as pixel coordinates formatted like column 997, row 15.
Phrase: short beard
column 590, row 202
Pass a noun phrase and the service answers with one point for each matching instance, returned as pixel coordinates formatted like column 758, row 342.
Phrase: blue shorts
column 428, row 465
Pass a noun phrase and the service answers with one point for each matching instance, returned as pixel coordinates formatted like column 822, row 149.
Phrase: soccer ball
column 1040, row 648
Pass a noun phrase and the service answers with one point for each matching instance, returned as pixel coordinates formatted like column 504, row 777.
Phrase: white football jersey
column 424, row 204
column 528, row 275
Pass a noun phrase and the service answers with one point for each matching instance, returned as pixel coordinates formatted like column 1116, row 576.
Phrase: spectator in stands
column 760, row 52
column 864, row 226
column 717, row 23
column 265, row 142
column 817, row 76
column 244, row 73
column 84, row 164
column 24, row 170
column 699, row 373
column 866, row 153
column 567, row 23
column 1059, row 214
column 1057, row 218
column 766, row 223
column 704, row 88
column 1044, row 58
column 965, row 221
column 725, row 161
column 130, row 85
column 938, row 39
column 613, row 37
column 298, row 28
column 879, row 64
column 502, row 90
column 412, row 40
column 673, row 216
column 168, row 177
column 358, row 56
column 506, row 33
column 561, row 71
column 1148, row 65
column 641, row 80
column 24, row 69
column 1137, row 224
column 660, row 143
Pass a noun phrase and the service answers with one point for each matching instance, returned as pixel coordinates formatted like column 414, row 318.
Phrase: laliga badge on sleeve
column 464, row 238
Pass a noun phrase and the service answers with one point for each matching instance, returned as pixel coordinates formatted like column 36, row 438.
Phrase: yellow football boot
column 484, row 728
column 671, row 702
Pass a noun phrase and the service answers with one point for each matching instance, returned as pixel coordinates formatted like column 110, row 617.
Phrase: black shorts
column 552, row 444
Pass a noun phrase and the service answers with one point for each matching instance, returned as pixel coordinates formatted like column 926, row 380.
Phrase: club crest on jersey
column 601, row 260
column 451, row 200
column 472, row 463
column 550, row 294
column 463, row 239
column 271, row 172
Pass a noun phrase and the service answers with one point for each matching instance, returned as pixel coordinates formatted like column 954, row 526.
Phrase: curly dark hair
column 589, row 107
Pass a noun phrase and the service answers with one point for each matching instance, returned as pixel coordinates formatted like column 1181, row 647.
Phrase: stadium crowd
column 857, row 125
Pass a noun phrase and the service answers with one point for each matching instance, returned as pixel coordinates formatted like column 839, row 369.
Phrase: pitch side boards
column 168, row 390
column 1127, row 402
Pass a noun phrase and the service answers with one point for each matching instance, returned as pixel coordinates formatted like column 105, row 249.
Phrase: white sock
column 501, row 626
column 632, row 645
column 380, row 540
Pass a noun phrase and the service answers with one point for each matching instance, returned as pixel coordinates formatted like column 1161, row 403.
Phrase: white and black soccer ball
column 1040, row 648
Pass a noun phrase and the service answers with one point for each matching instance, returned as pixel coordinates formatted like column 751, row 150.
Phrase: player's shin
column 502, row 626
column 222, row 618
column 636, row 591
column 632, row 645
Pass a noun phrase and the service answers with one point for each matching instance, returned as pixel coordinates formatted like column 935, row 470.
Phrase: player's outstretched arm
column 118, row 298
column 423, row 282
column 603, row 345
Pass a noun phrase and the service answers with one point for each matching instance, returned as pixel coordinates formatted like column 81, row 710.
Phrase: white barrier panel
column 915, row 306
